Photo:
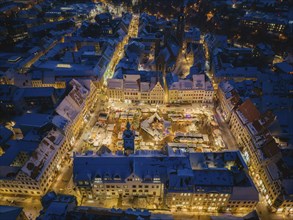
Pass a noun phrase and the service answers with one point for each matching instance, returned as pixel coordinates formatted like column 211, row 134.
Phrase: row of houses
column 132, row 88
column 210, row 182
column 268, row 162
column 41, row 142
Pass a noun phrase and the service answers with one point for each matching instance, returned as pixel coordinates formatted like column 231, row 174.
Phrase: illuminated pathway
column 184, row 63
column 119, row 53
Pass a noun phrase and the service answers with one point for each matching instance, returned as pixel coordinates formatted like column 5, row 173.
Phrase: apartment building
column 132, row 89
column 228, row 99
column 267, row 161
column 77, row 106
column 190, row 91
column 195, row 181
column 29, row 167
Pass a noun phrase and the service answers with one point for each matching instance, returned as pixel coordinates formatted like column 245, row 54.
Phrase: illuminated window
column 63, row 65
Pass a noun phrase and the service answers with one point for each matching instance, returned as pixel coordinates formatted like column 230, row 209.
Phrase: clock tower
column 128, row 140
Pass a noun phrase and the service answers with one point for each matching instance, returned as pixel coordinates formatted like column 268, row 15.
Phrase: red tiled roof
column 249, row 111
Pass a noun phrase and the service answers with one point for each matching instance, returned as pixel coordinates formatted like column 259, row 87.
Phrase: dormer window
column 107, row 176
column 147, row 178
column 157, row 180
column 98, row 179
column 117, row 177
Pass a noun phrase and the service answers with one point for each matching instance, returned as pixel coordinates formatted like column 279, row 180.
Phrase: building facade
column 267, row 161
column 228, row 99
column 35, row 172
column 77, row 106
column 131, row 89
column 196, row 181
column 191, row 91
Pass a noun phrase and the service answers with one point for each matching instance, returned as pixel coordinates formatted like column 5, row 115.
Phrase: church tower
column 180, row 27
column 167, row 32
column 128, row 140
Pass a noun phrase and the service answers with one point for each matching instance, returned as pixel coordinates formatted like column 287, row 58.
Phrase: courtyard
column 190, row 128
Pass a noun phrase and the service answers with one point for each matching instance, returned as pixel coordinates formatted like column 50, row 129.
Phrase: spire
column 128, row 125
column 181, row 27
